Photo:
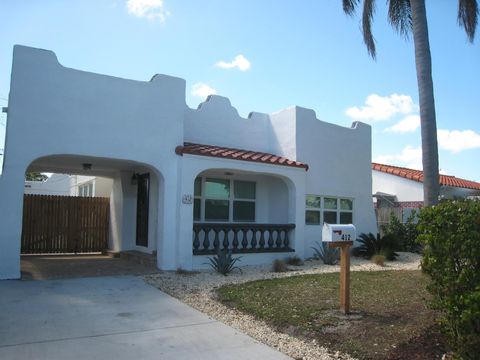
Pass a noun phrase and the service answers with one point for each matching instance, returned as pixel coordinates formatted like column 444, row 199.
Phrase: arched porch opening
column 244, row 212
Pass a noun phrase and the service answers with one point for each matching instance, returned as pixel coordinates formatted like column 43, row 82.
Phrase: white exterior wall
column 411, row 190
column 138, row 125
column 47, row 101
column 102, row 187
column 404, row 189
column 57, row 184
column 339, row 165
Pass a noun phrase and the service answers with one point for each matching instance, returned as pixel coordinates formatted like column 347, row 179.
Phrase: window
column 224, row 200
column 312, row 214
column 327, row 209
column 85, row 190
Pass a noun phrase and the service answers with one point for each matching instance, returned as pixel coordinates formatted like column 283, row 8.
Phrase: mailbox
column 338, row 232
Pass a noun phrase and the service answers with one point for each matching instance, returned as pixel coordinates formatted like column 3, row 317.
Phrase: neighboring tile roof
column 417, row 175
column 236, row 154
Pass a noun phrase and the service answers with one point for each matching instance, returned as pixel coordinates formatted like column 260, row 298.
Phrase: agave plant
column 224, row 262
column 328, row 255
column 372, row 245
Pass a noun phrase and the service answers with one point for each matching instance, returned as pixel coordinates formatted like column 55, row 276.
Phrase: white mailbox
column 339, row 232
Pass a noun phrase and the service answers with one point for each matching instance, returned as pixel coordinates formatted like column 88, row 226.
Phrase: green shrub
column 224, row 262
column 294, row 261
column 371, row 245
column 329, row 256
column 450, row 234
column 405, row 233
column 279, row 266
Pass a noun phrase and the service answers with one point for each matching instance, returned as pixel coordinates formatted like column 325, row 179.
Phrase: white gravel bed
column 197, row 289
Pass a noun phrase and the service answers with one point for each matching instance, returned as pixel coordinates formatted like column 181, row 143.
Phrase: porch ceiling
column 73, row 164
column 237, row 154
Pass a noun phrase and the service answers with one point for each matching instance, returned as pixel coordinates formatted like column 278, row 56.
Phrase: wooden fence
column 64, row 224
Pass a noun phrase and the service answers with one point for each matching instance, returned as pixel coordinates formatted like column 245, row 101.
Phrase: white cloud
column 202, row 90
column 408, row 124
column 379, row 108
column 410, row 157
column 150, row 9
column 458, row 140
column 240, row 62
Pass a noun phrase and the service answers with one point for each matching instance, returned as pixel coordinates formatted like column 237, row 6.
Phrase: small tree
column 450, row 234
column 35, row 176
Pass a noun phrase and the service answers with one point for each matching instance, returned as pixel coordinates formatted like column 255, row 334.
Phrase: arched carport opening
column 135, row 205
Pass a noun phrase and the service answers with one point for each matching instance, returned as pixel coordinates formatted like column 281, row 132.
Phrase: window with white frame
column 85, row 190
column 217, row 199
column 328, row 209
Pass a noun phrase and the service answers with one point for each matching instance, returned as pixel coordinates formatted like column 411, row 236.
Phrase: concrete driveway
column 112, row 318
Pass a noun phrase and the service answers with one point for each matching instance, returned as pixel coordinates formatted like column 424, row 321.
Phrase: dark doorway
column 143, row 187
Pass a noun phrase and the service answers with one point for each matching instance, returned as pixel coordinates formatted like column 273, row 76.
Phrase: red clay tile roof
column 236, row 154
column 417, row 175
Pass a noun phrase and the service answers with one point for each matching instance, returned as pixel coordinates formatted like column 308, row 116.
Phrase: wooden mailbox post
column 341, row 236
column 344, row 273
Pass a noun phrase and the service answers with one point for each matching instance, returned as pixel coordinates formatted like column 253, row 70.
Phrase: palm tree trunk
column 423, row 63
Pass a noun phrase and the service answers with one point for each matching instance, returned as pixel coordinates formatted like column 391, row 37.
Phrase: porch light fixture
column 87, row 166
column 134, row 179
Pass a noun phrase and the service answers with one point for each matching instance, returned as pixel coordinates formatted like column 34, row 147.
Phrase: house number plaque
column 187, row 199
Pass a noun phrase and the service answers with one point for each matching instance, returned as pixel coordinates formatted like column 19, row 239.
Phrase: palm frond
column 400, row 16
column 468, row 17
column 367, row 17
column 349, row 6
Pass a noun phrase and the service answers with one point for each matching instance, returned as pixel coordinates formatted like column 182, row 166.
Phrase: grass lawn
column 389, row 317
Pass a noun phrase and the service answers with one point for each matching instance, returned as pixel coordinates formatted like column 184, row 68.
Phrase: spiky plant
column 328, row 255
column 224, row 262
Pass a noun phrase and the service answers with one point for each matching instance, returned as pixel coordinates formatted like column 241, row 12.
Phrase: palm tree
column 410, row 16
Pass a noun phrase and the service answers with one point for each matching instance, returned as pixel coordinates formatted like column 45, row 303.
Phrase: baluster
column 216, row 242
column 253, row 242
column 196, row 241
column 286, row 241
column 278, row 242
column 262, row 239
column 206, row 239
column 244, row 238
column 270, row 239
column 235, row 239
column 225, row 238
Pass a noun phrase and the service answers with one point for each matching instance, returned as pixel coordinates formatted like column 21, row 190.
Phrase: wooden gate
column 64, row 224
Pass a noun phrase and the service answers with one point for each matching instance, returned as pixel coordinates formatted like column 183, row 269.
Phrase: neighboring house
column 90, row 186
column 185, row 181
column 402, row 188
column 57, row 184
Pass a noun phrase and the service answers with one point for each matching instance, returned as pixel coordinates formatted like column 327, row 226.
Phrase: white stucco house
column 184, row 181
column 395, row 186
column 90, row 186
column 57, row 184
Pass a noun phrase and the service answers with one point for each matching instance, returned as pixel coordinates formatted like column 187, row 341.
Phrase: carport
column 131, row 228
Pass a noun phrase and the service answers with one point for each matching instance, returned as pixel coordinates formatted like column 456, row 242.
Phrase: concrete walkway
column 112, row 318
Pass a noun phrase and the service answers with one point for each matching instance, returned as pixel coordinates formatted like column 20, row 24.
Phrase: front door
column 143, row 186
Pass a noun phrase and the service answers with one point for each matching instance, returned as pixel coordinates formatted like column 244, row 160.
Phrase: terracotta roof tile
column 417, row 175
column 236, row 154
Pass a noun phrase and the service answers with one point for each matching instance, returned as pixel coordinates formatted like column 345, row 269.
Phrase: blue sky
column 267, row 55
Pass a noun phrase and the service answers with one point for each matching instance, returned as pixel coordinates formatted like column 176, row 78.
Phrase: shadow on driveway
column 44, row 267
